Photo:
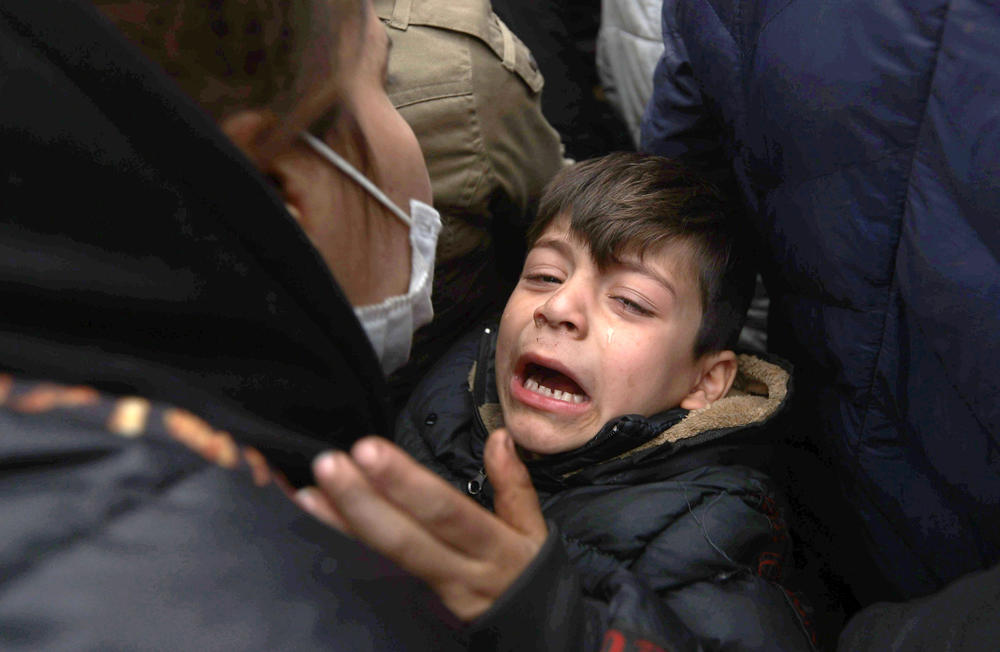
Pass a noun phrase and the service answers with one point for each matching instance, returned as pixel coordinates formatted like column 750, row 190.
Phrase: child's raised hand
column 467, row 555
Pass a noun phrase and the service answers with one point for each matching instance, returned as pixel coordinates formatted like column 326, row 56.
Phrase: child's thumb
column 514, row 497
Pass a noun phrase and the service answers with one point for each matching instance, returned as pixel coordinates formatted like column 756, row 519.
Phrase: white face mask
column 390, row 324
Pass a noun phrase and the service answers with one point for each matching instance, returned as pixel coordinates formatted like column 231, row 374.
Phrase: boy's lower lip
column 544, row 403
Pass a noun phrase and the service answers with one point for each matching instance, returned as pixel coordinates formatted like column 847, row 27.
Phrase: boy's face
column 579, row 346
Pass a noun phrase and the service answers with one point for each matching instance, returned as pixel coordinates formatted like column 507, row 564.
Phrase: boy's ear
column 718, row 370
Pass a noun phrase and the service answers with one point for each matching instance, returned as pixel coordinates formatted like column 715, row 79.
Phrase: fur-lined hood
column 759, row 393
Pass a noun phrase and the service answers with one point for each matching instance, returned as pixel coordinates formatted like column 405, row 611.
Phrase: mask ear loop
column 338, row 161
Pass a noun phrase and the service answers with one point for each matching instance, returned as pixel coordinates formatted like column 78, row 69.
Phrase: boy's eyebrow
column 645, row 270
column 559, row 244
column 633, row 265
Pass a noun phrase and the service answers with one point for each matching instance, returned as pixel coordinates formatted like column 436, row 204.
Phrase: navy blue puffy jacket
column 865, row 139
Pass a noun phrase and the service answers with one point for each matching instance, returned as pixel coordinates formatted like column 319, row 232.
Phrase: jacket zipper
column 475, row 485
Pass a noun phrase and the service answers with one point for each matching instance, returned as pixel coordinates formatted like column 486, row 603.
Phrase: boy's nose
column 564, row 309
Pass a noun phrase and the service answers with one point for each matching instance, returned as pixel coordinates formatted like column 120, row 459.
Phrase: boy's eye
column 631, row 306
column 543, row 278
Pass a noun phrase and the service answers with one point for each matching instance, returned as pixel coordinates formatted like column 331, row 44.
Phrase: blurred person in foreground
column 215, row 241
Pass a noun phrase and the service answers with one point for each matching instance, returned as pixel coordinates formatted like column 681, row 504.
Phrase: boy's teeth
column 531, row 384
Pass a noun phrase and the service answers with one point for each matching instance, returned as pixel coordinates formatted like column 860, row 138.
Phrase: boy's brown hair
column 628, row 203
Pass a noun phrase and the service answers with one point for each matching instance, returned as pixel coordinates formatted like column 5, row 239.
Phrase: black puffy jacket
column 672, row 536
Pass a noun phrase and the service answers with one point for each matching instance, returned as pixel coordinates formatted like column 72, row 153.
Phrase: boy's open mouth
column 553, row 384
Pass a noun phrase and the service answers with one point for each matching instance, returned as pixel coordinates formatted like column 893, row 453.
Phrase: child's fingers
column 437, row 506
column 312, row 500
column 467, row 555
column 378, row 523
column 514, row 498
